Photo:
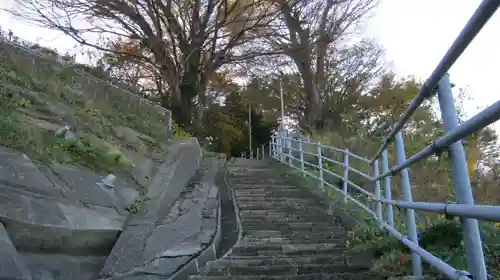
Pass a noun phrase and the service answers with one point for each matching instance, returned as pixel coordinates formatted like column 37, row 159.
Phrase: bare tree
column 311, row 31
column 186, row 41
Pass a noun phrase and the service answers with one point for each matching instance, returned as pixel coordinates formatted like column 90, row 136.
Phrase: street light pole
column 250, row 128
column 282, row 104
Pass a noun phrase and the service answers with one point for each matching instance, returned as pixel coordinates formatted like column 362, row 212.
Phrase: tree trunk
column 314, row 108
column 202, row 101
column 182, row 109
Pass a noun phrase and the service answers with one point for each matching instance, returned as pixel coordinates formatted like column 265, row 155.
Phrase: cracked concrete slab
column 195, row 225
column 180, row 231
column 163, row 191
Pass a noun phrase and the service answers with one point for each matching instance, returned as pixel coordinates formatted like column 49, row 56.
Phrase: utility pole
column 250, row 128
column 282, row 104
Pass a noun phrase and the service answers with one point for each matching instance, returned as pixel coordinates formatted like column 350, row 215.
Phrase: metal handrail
column 482, row 14
column 483, row 212
column 281, row 149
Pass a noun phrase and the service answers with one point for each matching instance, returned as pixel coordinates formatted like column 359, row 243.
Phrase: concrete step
column 335, row 232
column 287, row 249
column 284, row 227
column 278, row 201
column 243, row 181
column 253, row 186
column 260, row 190
column 286, row 260
column 286, row 219
column 316, row 213
column 318, row 276
column 313, row 211
column 282, row 207
column 297, row 240
column 212, row 268
column 287, row 233
column 270, row 195
column 307, row 226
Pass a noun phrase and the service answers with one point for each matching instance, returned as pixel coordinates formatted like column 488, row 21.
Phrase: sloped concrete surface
column 190, row 225
column 58, row 223
column 184, row 232
column 19, row 171
column 176, row 220
column 43, row 211
column 62, row 266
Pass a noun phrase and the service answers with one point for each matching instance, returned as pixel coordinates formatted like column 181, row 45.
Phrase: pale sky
column 415, row 34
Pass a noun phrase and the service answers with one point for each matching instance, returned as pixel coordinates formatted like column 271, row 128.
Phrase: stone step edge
column 339, row 276
column 294, row 261
column 287, row 249
column 211, row 269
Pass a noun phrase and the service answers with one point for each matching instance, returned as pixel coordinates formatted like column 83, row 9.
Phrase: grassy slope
column 37, row 87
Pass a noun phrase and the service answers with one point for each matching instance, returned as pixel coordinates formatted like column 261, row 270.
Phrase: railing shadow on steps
column 310, row 159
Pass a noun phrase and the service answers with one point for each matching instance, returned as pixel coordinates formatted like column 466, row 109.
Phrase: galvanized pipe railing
column 283, row 149
column 482, row 14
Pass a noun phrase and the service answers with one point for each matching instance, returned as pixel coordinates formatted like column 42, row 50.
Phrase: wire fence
column 22, row 58
column 44, row 96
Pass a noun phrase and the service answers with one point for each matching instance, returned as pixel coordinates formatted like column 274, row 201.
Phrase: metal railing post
column 271, row 147
column 378, row 205
column 320, row 165
column 346, row 174
column 460, row 175
column 281, row 148
column 410, row 213
column 387, row 187
column 301, row 150
column 290, row 152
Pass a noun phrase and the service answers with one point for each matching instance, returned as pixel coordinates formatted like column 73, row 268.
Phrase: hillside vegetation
column 40, row 96
column 224, row 74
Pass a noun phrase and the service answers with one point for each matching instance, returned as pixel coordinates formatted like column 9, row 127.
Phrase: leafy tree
column 185, row 41
column 313, row 34
column 226, row 126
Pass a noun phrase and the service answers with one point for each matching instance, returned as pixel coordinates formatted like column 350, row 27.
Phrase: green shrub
column 178, row 132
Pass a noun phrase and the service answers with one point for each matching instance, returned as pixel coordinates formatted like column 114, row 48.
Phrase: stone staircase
column 286, row 233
